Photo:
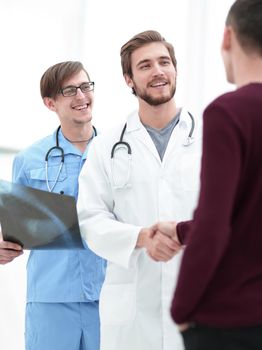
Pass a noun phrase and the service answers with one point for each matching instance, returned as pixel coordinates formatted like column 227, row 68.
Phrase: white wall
column 36, row 34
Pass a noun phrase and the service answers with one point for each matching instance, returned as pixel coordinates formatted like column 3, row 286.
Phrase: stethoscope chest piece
column 189, row 141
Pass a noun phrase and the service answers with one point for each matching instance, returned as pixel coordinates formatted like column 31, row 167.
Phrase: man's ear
column 49, row 103
column 227, row 39
column 128, row 80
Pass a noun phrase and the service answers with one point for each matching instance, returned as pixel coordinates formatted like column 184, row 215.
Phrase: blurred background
column 36, row 34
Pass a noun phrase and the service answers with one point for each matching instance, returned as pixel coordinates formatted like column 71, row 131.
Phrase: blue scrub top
column 58, row 275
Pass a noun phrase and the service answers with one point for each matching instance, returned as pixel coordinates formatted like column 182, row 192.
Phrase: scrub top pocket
column 38, row 177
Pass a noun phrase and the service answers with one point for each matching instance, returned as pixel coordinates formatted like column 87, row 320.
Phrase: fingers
column 9, row 251
column 160, row 241
column 163, row 248
column 168, row 228
column 10, row 245
column 6, row 259
column 165, row 241
column 144, row 237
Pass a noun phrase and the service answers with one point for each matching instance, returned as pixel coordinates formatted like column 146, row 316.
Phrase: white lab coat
column 136, row 296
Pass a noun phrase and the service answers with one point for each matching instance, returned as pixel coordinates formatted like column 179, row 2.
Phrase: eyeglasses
column 72, row 90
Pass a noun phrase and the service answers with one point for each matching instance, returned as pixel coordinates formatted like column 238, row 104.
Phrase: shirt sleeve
column 18, row 171
column 207, row 236
column 105, row 235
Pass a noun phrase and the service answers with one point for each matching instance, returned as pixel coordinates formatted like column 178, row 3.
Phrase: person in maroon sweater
column 218, row 298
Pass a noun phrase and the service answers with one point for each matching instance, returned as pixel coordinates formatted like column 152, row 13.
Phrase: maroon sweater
column 220, row 280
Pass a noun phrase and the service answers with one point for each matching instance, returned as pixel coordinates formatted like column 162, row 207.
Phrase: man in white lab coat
column 144, row 171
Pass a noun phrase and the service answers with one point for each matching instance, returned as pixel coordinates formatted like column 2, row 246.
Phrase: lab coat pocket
column 121, row 168
column 117, row 304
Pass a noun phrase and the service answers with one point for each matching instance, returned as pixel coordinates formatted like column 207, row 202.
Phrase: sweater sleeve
column 183, row 230
column 207, row 236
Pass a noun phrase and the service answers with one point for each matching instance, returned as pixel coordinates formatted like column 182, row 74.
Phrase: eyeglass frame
column 90, row 83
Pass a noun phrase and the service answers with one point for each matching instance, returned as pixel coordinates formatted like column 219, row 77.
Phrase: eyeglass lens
column 72, row 90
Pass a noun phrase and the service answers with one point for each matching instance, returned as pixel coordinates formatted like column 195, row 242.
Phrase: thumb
column 168, row 228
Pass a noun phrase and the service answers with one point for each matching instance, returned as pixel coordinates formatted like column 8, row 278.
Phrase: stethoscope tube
column 121, row 142
column 126, row 144
column 57, row 147
column 190, row 135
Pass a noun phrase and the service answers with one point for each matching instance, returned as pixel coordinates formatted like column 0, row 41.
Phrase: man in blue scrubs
column 63, row 286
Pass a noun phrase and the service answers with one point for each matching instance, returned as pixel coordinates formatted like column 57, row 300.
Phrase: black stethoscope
column 126, row 145
column 122, row 143
column 61, row 150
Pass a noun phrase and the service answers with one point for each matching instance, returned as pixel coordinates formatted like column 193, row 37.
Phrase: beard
column 154, row 101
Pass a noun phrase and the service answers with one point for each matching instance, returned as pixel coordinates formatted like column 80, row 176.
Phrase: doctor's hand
column 9, row 251
column 159, row 246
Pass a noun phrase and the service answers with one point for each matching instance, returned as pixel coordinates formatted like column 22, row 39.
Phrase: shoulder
column 108, row 136
column 226, row 115
column 101, row 146
column 222, row 108
column 232, row 109
column 37, row 149
column 235, row 101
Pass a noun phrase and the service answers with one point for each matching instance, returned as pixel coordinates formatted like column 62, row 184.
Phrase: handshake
column 160, row 241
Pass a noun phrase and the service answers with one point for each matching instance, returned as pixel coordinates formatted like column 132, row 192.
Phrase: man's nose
column 157, row 69
column 79, row 92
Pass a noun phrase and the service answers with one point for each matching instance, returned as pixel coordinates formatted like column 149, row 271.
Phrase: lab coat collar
column 134, row 123
column 181, row 132
column 135, row 126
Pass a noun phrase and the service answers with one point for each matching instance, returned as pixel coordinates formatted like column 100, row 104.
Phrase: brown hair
column 54, row 77
column 139, row 40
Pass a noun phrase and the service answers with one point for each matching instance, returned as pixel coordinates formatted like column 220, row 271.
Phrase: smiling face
column 154, row 75
column 73, row 110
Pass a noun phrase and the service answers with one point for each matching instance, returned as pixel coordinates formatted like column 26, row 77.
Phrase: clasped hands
column 160, row 241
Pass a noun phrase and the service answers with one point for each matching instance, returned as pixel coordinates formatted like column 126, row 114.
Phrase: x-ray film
column 38, row 219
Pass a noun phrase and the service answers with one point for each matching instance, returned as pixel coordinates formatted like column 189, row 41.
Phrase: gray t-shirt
column 161, row 137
